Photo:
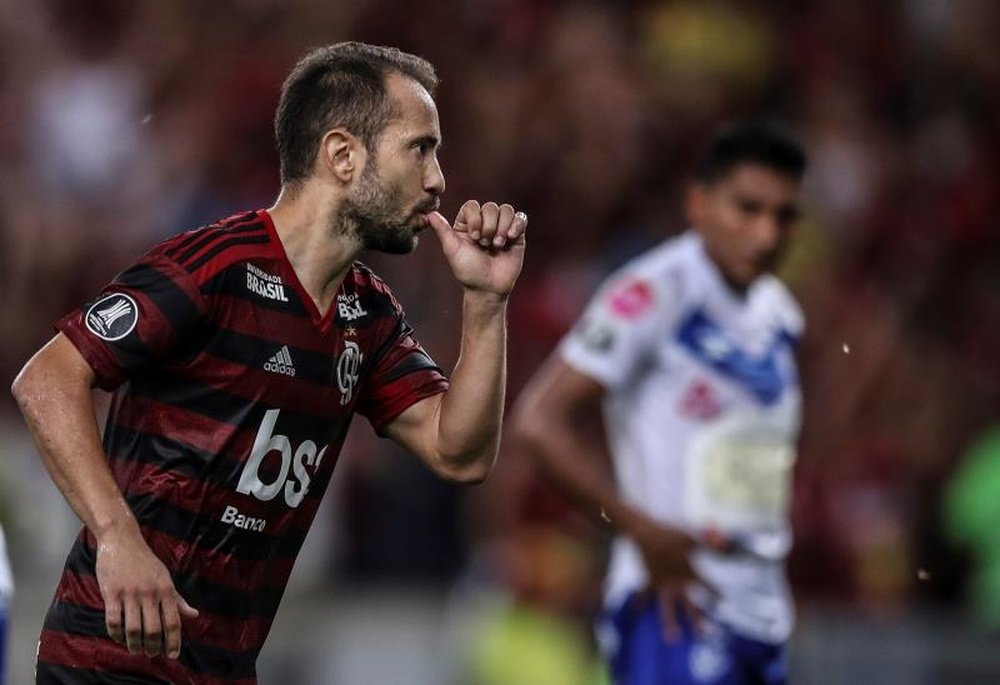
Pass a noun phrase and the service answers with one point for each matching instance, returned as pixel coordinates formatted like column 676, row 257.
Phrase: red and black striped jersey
column 232, row 398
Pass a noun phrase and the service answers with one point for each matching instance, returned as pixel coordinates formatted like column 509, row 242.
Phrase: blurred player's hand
column 667, row 553
column 485, row 247
column 142, row 607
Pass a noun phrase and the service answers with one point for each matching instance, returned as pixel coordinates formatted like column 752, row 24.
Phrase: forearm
column 577, row 465
column 142, row 608
column 468, row 434
column 554, row 424
column 60, row 415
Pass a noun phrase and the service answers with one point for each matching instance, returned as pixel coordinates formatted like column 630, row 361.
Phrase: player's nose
column 767, row 230
column 434, row 178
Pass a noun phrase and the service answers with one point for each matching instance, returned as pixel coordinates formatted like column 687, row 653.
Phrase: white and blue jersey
column 702, row 413
column 6, row 593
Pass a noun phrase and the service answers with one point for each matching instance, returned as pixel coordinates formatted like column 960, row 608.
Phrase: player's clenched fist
column 485, row 246
column 491, row 225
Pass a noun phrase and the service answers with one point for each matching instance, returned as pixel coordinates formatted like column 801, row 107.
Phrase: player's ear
column 341, row 154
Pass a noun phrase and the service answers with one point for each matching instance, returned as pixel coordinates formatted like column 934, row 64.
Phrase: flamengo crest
column 348, row 370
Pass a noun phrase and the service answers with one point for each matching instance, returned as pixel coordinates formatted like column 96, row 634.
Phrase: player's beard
column 373, row 212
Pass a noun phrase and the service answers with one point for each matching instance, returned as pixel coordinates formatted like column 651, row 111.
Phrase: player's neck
column 735, row 287
column 319, row 256
column 732, row 285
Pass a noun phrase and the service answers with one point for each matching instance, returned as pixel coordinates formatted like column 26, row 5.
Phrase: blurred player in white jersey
column 6, row 594
column 689, row 351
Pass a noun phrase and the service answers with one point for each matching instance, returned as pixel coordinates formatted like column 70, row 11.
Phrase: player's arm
column 142, row 607
column 457, row 433
column 54, row 393
column 551, row 425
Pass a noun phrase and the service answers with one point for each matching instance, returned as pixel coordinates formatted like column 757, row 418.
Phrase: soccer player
column 689, row 351
column 238, row 353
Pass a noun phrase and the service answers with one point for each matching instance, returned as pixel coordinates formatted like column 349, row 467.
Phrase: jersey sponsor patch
column 298, row 467
column 739, row 471
column 264, row 284
column 349, row 307
column 631, row 299
column 233, row 517
column 595, row 334
column 699, row 402
column 112, row 317
column 762, row 376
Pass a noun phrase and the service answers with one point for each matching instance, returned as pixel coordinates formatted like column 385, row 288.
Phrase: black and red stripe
column 197, row 391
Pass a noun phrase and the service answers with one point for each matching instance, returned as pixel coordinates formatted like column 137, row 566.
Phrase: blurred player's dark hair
column 755, row 141
column 339, row 85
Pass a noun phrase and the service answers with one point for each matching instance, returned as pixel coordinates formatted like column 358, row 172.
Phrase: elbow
column 472, row 476
column 21, row 388
column 53, row 373
column 467, row 471
column 17, row 389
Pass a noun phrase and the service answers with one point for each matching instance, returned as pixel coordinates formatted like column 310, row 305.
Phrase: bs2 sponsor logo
column 233, row 517
column 294, row 477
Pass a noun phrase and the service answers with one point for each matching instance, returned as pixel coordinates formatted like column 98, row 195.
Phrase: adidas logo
column 281, row 362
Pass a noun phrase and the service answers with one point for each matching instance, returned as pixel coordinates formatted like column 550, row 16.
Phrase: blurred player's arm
column 550, row 424
column 457, row 433
column 53, row 391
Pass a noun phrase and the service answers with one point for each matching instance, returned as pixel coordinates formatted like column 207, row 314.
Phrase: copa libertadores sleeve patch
column 112, row 317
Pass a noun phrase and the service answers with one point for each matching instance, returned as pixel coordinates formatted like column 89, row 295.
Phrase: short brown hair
column 339, row 85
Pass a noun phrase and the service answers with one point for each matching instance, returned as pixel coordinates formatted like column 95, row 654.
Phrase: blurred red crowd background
column 125, row 122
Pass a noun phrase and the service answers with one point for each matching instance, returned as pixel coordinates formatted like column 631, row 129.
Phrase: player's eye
column 749, row 207
column 423, row 147
column 787, row 215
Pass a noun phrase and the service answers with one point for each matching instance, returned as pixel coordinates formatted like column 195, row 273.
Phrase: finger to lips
column 491, row 215
column 504, row 224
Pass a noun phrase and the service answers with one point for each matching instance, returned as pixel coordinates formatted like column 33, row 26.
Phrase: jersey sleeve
column 137, row 319
column 616, row 335
column 402, row 375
